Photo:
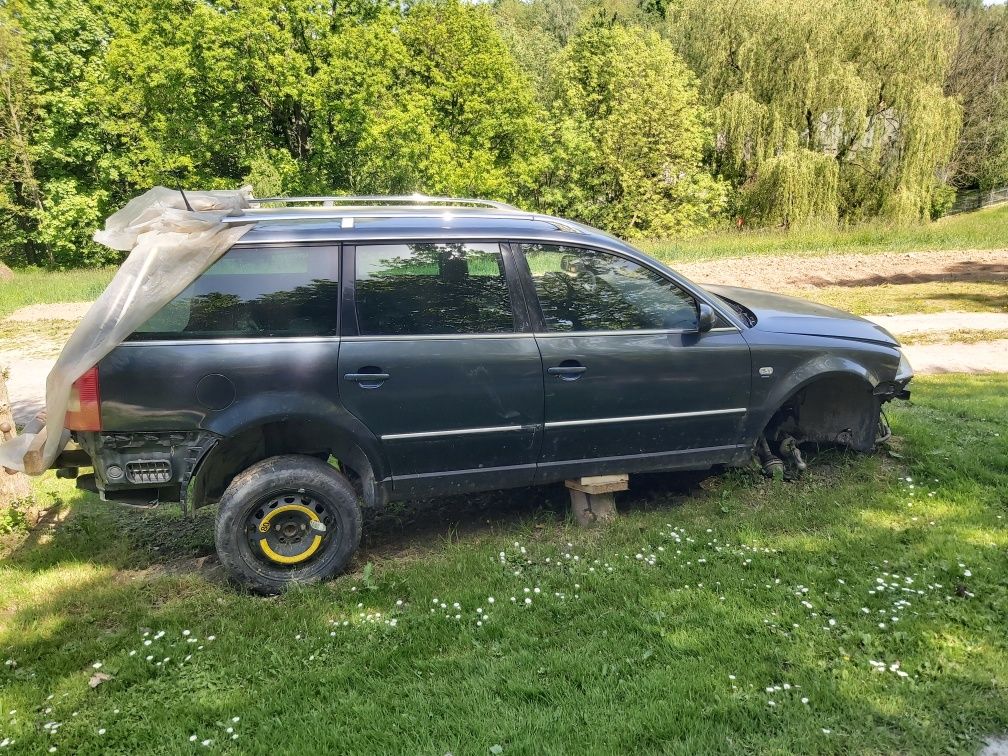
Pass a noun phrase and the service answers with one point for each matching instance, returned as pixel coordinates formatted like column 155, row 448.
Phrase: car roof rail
column 346, row 208
column 387, row 200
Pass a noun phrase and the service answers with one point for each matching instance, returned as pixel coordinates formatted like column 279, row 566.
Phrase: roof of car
column 426, row 220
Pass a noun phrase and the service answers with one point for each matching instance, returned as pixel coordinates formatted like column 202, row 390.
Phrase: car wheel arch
column 838, row 373
column 269, row 436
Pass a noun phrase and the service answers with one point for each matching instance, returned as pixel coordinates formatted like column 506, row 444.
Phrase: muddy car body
column 389, row 351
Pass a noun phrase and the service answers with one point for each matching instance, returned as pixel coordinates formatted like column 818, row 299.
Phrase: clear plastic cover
column 169, row 246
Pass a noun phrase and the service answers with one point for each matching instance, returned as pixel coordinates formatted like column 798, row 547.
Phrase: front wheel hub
column 288, row 529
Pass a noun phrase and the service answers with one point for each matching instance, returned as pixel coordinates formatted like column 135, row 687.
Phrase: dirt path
column 854, row 270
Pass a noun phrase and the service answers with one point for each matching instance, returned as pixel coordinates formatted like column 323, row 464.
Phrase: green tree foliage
column 979, row 79
column 20, row 195
column 857, row 80
column 628, row 136
column 645, row 117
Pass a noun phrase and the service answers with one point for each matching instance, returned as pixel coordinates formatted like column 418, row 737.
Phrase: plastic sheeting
column 169, row 246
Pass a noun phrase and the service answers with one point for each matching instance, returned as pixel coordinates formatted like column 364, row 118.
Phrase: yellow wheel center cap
column 289, row 529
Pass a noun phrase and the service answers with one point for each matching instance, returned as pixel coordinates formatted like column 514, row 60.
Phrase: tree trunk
column 12, row 487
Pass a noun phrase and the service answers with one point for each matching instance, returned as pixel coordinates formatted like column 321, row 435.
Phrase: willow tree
column 627, row 136
column 825, row 108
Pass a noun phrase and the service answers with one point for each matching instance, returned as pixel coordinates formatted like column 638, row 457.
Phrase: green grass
column 920, row 298
column 671, row 651
column 36, row 286
column 958, row 336
column 984, row 229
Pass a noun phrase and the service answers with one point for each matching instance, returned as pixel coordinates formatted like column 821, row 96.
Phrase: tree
column 978, row 79
column 20, row 197
column 628, row 134
column 855, row 80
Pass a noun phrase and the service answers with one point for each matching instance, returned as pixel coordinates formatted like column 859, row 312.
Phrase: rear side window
column 254, row 292
column 431, row 288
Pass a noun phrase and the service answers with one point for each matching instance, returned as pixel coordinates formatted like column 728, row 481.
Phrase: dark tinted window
column 248, row 293
column 585, row 290
column 421, row 289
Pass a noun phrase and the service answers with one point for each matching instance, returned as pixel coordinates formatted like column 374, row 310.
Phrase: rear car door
column 439, row 362
column 630, row 383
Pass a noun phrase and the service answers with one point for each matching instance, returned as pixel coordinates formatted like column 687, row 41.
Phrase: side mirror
column 706, row 319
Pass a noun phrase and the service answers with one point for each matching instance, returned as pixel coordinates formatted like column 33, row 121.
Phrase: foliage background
column 644, row 117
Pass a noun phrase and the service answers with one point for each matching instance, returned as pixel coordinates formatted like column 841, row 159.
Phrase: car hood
column 777, row 313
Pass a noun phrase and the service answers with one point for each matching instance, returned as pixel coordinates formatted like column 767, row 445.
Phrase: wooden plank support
column 593, row 498
column 33, row 457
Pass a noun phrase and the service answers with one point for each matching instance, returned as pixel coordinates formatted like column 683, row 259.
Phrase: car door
column 630, row 383
column 441, row 365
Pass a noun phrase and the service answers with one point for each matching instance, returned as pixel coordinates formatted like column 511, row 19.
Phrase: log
column 593, row 498
column 12, row 486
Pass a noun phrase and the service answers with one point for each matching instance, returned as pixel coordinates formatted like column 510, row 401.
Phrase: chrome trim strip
column 439, row 337
column 456, row 432
column 639, row 332
column 637, row 418
column 252, row 340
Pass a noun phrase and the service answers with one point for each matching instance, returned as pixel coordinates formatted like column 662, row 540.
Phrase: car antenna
column 185, row 199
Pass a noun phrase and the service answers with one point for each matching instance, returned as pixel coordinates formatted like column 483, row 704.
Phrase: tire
column 271, row 515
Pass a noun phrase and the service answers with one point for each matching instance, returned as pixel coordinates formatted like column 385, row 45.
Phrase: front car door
column 439, row 362
column 630, row 383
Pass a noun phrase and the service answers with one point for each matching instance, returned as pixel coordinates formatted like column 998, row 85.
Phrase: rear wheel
column 287, row 520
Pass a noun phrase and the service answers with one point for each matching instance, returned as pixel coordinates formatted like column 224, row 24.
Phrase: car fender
column 814, row 369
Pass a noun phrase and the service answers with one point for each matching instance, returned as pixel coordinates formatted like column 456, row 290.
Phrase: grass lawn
column 921, row 298
column 855, row 610
column 36, row 286
column 984, row 229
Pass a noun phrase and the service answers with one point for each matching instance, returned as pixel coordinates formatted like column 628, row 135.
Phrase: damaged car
column 358, row 350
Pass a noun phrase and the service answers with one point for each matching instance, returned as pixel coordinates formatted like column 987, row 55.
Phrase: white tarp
column 169, row 248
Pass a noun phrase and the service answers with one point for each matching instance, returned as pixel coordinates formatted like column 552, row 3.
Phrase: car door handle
column 567, row 372
column 367, row 380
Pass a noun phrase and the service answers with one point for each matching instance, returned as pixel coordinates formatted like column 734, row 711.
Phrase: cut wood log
column 12, row 486
column 593, row 498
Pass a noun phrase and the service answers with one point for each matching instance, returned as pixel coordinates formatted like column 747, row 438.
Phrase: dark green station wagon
column 377, row 348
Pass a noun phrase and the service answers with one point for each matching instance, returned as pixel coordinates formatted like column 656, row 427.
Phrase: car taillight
column 84, row 407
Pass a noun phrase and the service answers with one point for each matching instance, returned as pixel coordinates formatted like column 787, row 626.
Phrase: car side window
column 587, row 290
column 431, row 288
column 254, row 292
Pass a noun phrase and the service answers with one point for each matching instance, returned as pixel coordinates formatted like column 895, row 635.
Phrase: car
column 352, row 350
